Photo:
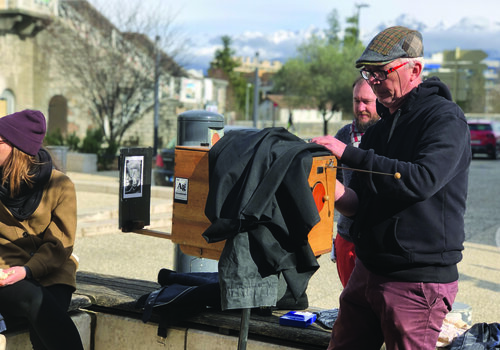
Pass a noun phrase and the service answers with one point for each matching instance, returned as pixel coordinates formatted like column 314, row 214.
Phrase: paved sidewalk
column 137, row 256
column 98, row 203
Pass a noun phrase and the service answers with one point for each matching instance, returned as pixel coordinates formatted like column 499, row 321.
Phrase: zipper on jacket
column 394, row 122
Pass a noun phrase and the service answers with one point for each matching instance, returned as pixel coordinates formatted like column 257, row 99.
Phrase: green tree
column 322, row 74
column 351, row 33
column 223, row 66
column 223, row 58
column 332, row 33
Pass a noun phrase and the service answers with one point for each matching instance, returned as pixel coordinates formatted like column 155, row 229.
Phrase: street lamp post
column 359, row 7
column 256, row 91
column 247, row 100
column 156, row 102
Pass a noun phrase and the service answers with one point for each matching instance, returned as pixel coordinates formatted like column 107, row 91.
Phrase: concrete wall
column 81, row 162
column 122, row 333
column 111, row 332
column 82, row 320
column 16, row 69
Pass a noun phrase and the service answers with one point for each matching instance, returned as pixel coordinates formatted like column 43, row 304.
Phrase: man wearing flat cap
column 408, row 227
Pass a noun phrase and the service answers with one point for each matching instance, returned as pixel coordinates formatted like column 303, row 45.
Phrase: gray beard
column 363, row 127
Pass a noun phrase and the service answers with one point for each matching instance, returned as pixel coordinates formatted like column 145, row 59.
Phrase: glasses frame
column 384, row 73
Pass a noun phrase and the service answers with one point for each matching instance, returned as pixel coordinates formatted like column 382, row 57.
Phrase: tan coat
column 44, row 242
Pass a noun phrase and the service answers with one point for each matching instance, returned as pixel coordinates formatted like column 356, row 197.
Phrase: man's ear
column 416, row 71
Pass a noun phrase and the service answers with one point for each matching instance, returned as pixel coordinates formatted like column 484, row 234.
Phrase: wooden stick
column 397, row 175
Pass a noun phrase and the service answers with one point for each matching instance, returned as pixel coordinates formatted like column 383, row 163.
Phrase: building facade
column 31, row 76
column 473, row 79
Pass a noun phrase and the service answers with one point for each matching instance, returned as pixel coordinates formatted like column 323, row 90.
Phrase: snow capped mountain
column 475, row 25
column 278, row 45
column 467, row 33
column 403, row 20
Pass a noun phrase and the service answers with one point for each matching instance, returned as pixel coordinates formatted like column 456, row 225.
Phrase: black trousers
column 44, row 310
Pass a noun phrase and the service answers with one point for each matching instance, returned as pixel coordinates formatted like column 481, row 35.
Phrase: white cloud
column 468, row 33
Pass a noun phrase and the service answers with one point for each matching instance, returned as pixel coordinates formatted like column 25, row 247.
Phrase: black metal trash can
column 197, row 128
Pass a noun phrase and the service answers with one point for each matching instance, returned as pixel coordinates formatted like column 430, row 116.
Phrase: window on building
column 7, row 102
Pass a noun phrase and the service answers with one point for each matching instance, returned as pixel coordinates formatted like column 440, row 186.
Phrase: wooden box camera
column 189, row 220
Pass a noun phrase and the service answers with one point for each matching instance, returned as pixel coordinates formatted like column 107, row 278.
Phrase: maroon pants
column 404, row 315
column 346, row 258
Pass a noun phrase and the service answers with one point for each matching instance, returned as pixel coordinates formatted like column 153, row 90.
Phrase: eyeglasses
column 379, row 75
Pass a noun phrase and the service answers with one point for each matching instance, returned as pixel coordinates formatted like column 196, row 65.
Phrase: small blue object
column 300, row 319
column 3, row 326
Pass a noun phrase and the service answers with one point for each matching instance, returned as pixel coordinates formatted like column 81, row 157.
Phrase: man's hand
column 12, row 275
column 335, row 146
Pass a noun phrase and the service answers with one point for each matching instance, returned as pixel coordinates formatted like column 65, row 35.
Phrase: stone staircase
column 98, row 202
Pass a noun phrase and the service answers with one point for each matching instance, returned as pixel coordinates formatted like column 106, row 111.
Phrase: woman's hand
column 12, row 275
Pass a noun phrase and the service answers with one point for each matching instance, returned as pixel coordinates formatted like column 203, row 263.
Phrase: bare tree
column 112, row 67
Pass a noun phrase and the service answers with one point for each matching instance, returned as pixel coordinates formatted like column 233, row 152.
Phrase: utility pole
column 156, row 110
column 359, row 7
column 256, row 91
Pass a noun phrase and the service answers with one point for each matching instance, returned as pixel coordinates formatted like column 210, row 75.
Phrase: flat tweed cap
column 390, row 44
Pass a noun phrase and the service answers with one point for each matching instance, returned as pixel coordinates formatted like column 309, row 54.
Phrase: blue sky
column 236, row 16
column 276, row 27
column 273, row 27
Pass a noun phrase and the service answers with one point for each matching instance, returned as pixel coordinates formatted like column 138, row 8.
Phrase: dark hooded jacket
column 260, row 202
column 412, row 228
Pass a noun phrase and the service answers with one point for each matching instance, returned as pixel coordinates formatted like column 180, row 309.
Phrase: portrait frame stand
column 135, row 165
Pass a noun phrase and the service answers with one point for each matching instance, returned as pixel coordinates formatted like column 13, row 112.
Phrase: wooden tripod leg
column 245, row 322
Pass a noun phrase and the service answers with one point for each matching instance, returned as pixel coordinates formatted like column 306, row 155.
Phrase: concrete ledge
column 20, row 340
column 199, row 340
column 119, row 325
column 124, row 333
column 81, row 162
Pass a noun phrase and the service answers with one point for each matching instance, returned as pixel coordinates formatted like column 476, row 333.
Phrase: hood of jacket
column 429, row 87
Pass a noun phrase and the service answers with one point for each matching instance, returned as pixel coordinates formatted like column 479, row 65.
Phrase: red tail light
column 159, row 161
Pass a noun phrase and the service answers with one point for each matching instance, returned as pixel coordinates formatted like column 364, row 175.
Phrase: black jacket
column 412, row 229
column 260, row 201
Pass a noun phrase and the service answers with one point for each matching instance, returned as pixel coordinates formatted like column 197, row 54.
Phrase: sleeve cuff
column 29, row 274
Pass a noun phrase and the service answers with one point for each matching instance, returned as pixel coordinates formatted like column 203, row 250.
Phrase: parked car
column 163, row 172
column 485, row 137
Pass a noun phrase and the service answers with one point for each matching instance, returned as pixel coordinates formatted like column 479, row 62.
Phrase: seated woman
column 37, row 233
